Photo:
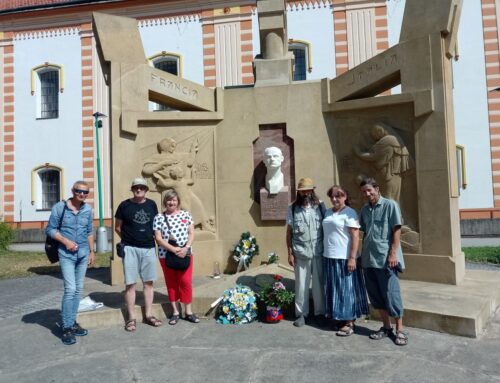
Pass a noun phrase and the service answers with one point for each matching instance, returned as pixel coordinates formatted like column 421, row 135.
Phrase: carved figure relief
column 273, row 158
column 389, row 157
column 391, row 161
column 169, row 169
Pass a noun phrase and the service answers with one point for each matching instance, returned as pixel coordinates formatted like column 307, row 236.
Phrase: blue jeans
column 73, row 269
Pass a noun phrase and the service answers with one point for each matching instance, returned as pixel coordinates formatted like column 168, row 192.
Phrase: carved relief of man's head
column 378, row 131
column 167, row 145
column 273, row 157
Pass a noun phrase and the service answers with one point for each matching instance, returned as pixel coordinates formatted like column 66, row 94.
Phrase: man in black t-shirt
column 134, row 224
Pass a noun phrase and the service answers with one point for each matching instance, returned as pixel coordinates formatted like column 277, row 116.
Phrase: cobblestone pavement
column 26, row 295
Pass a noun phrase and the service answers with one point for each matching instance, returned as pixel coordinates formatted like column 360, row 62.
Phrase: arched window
column 167, row 62
column 46, row 188
column 302, row 53
column 46, row 82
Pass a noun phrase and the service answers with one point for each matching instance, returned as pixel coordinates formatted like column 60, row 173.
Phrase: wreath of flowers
column 238, row 306
column 245, row 250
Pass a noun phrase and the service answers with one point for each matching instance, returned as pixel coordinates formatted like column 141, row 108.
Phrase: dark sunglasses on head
column 80, row 191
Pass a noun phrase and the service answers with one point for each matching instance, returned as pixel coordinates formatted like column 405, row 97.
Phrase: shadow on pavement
column 46, row 318
column 116, row 300
column 100, row 274
column 53, row 271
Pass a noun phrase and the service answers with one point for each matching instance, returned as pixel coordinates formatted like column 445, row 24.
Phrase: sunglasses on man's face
column 80, row 191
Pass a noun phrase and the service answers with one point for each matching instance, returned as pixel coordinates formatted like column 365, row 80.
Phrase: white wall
column 470, row 100
column 255, row 34
column 56, row 141
column 183, row 37
column 471, row 108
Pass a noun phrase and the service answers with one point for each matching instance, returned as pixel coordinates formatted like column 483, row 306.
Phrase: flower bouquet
column 245, row 250
column 275, row 295
column 237, row 306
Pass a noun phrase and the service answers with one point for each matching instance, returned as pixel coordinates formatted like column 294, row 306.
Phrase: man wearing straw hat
column 304, row 240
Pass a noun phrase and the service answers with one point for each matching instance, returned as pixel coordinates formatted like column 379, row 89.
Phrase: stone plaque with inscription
column 273, row 207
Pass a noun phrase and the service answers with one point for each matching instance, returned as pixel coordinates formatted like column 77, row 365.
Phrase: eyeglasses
column 139, row 187
column 81, row 191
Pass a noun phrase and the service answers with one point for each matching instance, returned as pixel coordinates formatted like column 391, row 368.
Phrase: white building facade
column 52, row 82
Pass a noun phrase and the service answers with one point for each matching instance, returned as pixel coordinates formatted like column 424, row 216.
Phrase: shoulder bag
column 172, row 261
column 51, row 244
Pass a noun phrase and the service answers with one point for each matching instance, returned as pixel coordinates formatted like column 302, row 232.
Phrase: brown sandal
column 152, row 321
column 130, row 325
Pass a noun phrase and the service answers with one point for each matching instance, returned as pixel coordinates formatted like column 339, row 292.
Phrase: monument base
column 273, row 72
column 273, row 207
column 434, row 268
column 205, row 254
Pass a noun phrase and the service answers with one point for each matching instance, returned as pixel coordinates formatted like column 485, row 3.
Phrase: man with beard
column 304, row 240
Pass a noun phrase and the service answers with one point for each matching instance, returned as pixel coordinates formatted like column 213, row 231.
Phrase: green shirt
column 378, row 223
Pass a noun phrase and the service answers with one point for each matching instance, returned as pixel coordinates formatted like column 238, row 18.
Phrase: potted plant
column 275, row 296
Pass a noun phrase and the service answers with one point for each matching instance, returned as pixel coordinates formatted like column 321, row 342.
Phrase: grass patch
column 18, row 264
column 482, row 254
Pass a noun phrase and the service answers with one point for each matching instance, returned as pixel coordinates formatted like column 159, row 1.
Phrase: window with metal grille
column 49, row 94
column 300, row 63
column 50, row 180
column 170, row 65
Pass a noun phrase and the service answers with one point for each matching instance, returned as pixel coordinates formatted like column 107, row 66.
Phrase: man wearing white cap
column 134, row 224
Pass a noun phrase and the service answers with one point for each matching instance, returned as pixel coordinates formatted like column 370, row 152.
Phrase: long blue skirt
column 345, row 292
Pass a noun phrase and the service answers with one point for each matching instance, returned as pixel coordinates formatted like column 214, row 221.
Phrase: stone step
column 458, row 310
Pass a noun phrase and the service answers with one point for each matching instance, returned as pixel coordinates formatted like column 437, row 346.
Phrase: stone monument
column 338, row 130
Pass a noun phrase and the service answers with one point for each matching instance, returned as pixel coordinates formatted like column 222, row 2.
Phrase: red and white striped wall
column 360, row 31
column 7, row 115
column 88, row 138
column 227, row 46
column 491, row 20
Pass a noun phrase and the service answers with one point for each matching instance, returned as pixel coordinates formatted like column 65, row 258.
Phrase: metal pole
column 102, row 234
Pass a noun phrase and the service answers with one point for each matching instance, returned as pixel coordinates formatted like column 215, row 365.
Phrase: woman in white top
column 345, row 289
